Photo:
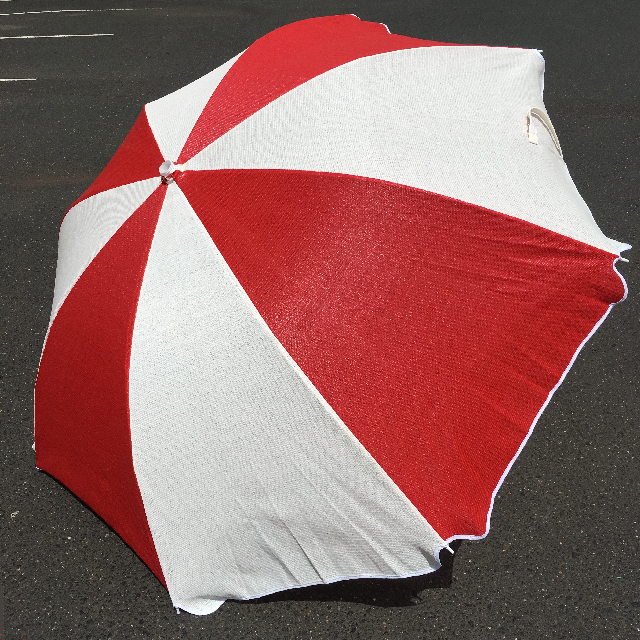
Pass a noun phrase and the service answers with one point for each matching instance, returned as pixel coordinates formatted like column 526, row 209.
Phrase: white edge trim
column 544, row 406
column 361, row 20
column 544, row 70
column 208, row 611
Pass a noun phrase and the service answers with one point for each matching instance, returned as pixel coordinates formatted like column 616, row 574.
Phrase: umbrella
column 308, row 315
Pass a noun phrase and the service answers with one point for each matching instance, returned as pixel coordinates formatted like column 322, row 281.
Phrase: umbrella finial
column 167, row 169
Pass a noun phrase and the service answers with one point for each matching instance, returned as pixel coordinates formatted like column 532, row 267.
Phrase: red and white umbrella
column 310, row 346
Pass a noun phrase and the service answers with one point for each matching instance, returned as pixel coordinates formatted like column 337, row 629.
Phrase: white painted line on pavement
column 16, row 79
column 60, row 35
column 25, row 13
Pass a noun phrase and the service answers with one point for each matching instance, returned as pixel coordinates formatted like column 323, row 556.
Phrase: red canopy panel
column 269, row 68
column 284, row 59
column 82, row 390
column 137, row 158
column 435, row 329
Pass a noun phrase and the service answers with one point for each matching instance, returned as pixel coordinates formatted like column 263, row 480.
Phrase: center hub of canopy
column 167, row 171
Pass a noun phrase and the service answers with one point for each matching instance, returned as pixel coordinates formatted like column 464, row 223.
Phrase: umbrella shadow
column 379, row 592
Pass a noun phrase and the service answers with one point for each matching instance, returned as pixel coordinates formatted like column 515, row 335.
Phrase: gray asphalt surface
column 561, row 560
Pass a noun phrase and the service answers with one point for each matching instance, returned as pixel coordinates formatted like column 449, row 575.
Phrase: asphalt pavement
column 561, row 560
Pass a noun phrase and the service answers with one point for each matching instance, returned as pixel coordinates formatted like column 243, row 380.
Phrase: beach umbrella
column 307, row 317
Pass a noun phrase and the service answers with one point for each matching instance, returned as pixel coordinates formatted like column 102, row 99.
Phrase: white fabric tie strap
column 538, row 114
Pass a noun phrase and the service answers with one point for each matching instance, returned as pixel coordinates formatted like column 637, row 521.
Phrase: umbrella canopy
column 308, row 315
